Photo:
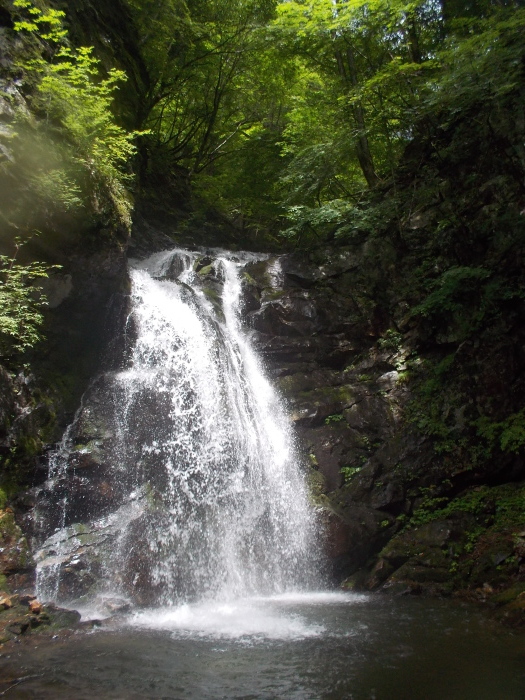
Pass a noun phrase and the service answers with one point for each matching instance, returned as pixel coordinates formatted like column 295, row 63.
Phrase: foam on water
column 319, row 598
column 279, row 617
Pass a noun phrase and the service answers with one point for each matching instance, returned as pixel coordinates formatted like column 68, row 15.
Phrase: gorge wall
column 417, row 497
column 398, row 344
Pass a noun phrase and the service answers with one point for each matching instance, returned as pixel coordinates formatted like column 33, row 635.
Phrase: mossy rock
column 509, row 595
column 513, row 613
column 206, row 270
column 315, row 406
column 421, row 573
column 270, row 295
column 316, row 486
column 258, row 274
column 321, row 380
column 15, row 554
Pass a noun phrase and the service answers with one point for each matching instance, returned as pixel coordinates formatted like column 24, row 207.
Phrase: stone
column 352, row 534
column 15, row 554
column 115, row 606
column 61, row 617
column 57, row 288
column 27, row 598
column 6, row 601
column 90, row 624
column 18, row 627
column 500, row 557
column 35, row 607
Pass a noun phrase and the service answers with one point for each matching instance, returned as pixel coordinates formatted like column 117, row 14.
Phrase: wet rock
column 18, row 627
column 331, row 449
column 352, row 535
column 7, row 601
column 16, row 561
column 35, row 607
column 402, row 588
column 26, row 598
column 73, row 555
column 115, row 606
column 63, row 618
column 90, row 624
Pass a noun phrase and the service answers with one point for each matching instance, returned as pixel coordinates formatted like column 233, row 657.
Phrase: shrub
column 21, row 303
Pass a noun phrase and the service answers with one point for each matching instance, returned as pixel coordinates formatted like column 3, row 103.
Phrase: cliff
column 398, row 342
column 401, row 355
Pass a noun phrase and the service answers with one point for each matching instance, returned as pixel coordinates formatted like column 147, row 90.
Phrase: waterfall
column 191, row 442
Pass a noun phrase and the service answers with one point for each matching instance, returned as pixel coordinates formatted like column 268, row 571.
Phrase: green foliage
column 70, row 95
column 391, row 340
column 504, row 504
column 508, row 435
column 430, row 410
column 76, row 103
column 334, row 418
column 47, row 23
column 56, row 186
column 314, row 222
column 451, row 289
column 21, row 303
column 348, row 472
column 483, row 64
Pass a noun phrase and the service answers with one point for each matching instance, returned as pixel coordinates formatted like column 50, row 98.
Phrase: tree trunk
column 348, row 73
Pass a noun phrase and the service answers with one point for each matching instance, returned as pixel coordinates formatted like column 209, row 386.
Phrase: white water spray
column 200, row 438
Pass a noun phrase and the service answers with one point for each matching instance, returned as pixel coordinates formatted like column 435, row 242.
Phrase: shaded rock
column 18, row 627
column 419, row 557
column 57, row 288
column 352, row 535
column 290, row 314
column 313, row 407
column 331, row 448
column 63, row 618
column 16, row 561
column 26, row 598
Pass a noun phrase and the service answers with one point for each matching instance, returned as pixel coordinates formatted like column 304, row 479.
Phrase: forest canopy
column 285, row 113
column 282, row 117
column 281, row 114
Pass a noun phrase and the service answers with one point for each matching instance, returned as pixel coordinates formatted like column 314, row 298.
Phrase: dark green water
column 328, row 647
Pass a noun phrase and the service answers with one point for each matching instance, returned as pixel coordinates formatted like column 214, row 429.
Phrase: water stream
column 211, row 504
column 290, row 647
column 176, row 498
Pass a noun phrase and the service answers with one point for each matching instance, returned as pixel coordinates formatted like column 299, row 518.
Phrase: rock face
column 36, row 405
column 406, row 508
column 39, row 401
column 85, row 246
column 315, row 324
column 400, row 513
column 16, row 561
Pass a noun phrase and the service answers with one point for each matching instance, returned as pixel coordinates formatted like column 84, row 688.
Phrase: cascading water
column 176, row 489
column 207, row 498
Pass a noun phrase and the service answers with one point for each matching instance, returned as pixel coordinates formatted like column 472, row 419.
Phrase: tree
column 373, row 58
column 75, row 104
column 197, row 54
